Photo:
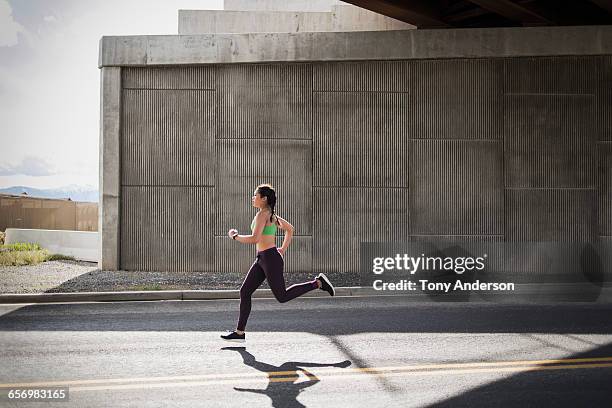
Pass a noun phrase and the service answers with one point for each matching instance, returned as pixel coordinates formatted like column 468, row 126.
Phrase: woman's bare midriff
column 266, row 242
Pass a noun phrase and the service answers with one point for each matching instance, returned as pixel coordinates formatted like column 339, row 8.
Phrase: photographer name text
column 426, row 285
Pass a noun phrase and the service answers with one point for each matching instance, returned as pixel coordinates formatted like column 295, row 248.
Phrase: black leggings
column 268, row 265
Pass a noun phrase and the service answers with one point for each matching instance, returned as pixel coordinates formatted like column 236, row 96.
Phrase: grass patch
column 21, row 246
column 26, row 253
column 60, row 257
column 20, row 258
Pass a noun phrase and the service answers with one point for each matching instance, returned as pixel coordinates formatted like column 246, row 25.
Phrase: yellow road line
column 344, row 372
column 264, row 381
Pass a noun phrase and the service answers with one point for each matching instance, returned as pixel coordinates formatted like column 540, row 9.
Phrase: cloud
column 49, row 19
column 29, row 166
column 9, row 28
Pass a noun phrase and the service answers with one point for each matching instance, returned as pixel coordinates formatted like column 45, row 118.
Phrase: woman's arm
column 260, row 223
column 285, row 225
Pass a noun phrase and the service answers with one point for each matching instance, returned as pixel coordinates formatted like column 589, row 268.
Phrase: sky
column 50, row 81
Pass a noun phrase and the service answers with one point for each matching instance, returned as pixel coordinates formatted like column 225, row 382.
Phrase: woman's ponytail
column 266, row 190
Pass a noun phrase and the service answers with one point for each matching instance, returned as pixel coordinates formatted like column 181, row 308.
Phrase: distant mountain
column 75, row 192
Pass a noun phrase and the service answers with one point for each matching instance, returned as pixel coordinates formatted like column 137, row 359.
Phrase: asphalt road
column 314, row 352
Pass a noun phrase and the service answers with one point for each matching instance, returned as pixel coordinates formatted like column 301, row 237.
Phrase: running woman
column 269, row 261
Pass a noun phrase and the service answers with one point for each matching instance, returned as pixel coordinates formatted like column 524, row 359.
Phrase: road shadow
column 283, row 388
column 585, row 387
column 340, row 316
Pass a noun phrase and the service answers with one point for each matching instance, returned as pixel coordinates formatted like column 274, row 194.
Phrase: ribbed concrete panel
column 494, row 254
column 381, row 76
column 550, row 214
column 235, row 257
column 606, row 248
column 455, row 238
column 456, row 99
column 555, row 75
column 167, row 229
column 550, row 140
column 345, row 217
column 360, row 139
column 456, row 187
column 264, row 101
column 244, row 164
column 168, row 137
column 604, row 98
column 170, row 78
column 232, row 256
column 605, row 188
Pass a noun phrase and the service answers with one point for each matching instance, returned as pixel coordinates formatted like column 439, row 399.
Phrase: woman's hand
column 281, row 251
column 232, row 232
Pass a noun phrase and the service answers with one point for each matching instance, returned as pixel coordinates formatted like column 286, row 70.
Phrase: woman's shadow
column 282, row 388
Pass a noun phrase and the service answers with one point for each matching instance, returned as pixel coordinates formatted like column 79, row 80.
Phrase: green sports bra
column 268, row 229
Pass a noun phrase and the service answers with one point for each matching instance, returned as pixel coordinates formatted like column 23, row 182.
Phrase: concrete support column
column 110, row 168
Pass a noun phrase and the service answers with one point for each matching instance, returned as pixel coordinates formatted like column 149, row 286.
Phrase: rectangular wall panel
column 168, row 137
column 264, row 101
column 371, row 76
column 202, row 78
column 167, row 229
column 550, row 215
column 604, row 98
column 456, row 187
column 345, row 217
column 244, row 164
column 605, row 188
column 550, row 75
column 236, row 257
column 550, row 141
column 360, row 139
column 605, row 245
column 456, row 99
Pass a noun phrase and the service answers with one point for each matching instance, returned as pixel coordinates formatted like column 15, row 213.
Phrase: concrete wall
column 281, row 5
column 110, row 168
column 484, row 149
column 213, row 21
column 354, row 46
column 480, row 135
column 340, row 18
column 353, row 18
column 79, row 244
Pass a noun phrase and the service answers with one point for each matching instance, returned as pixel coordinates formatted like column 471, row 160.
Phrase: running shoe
column 235, row 337
column 326, row 284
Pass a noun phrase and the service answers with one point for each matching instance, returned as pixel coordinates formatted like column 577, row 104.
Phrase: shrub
column 59, row 257
column 19, row 258
column 2, row 237
column 22, row 246
column 26, row 253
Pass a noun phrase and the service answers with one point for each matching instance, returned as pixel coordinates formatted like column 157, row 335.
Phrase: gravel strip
column 80, row 276
column 43, row 276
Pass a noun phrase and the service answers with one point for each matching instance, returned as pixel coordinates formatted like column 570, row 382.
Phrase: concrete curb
column 163, row 295
column 524, row 292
